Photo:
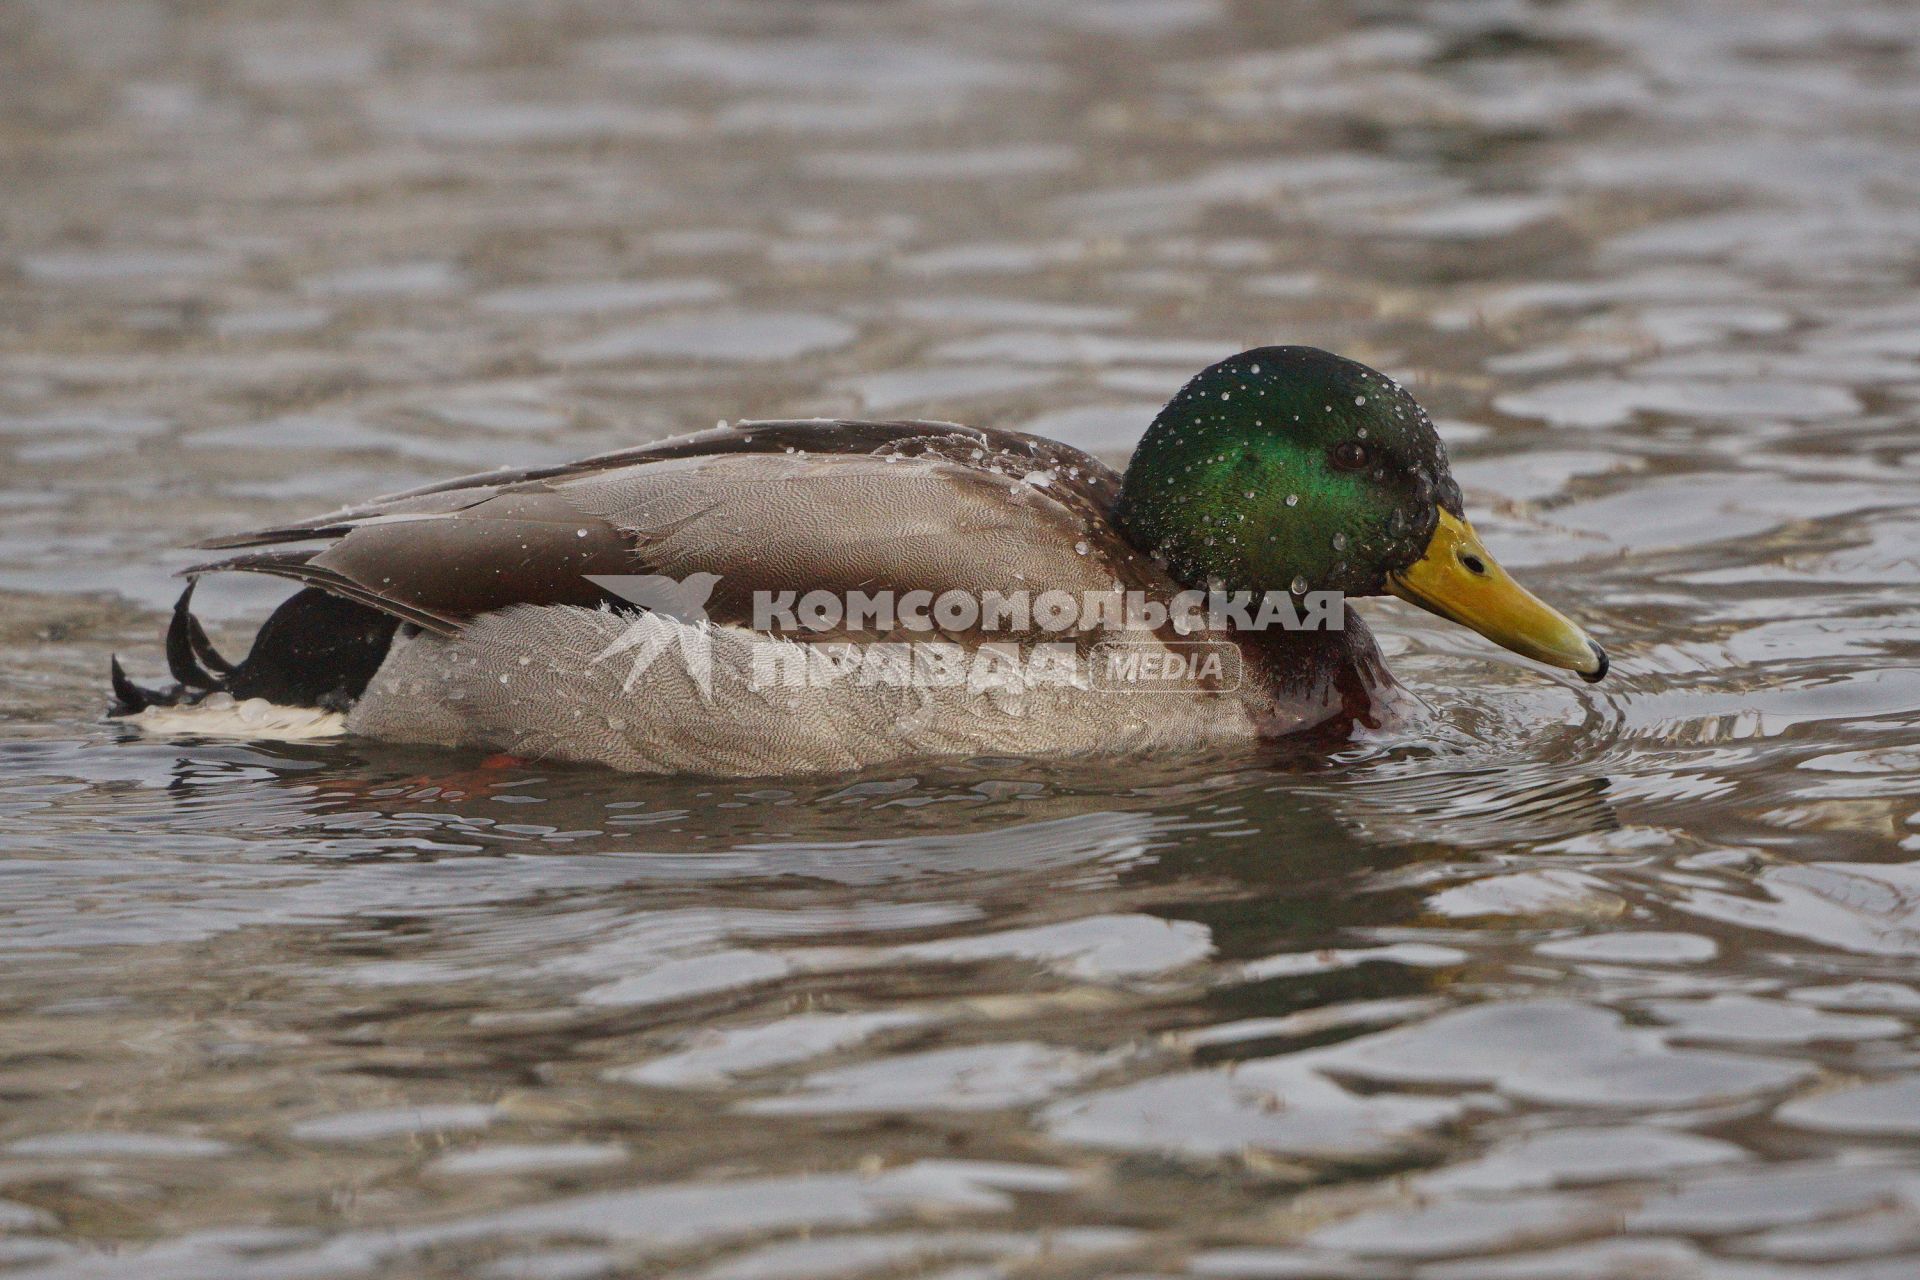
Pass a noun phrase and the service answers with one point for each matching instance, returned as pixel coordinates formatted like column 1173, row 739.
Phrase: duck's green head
column 1293, row 469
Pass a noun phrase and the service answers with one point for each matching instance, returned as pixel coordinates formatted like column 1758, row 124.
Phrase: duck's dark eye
column 1351, row 455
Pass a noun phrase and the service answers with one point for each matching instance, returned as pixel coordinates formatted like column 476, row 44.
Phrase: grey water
column 1556, row 981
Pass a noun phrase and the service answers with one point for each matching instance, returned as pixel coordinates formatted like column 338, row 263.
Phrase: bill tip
column 1599, row 672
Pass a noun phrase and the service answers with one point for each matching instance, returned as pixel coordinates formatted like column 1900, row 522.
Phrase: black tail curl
column 131, row 699
column 316, row 650
column 187, row 650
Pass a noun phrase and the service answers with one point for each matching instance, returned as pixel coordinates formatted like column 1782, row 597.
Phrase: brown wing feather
column 840, row 524
column 813, row 435
column 437, row 569
column 299, row 566
column 799, row 506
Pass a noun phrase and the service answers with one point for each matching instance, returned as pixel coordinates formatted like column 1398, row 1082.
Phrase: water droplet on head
column 1339, row 542
column 1359, row 399
column 1299, row 584
column 1293, row 499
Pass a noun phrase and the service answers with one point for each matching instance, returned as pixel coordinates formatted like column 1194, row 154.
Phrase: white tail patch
column 219, row 715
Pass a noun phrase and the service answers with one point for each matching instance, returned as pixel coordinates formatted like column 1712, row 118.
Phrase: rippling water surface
column 1558, row 982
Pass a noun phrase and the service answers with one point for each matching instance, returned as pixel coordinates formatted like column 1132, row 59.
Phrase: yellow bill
column 1458, row 580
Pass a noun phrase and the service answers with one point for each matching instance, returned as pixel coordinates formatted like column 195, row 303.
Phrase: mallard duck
column 605, row 610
